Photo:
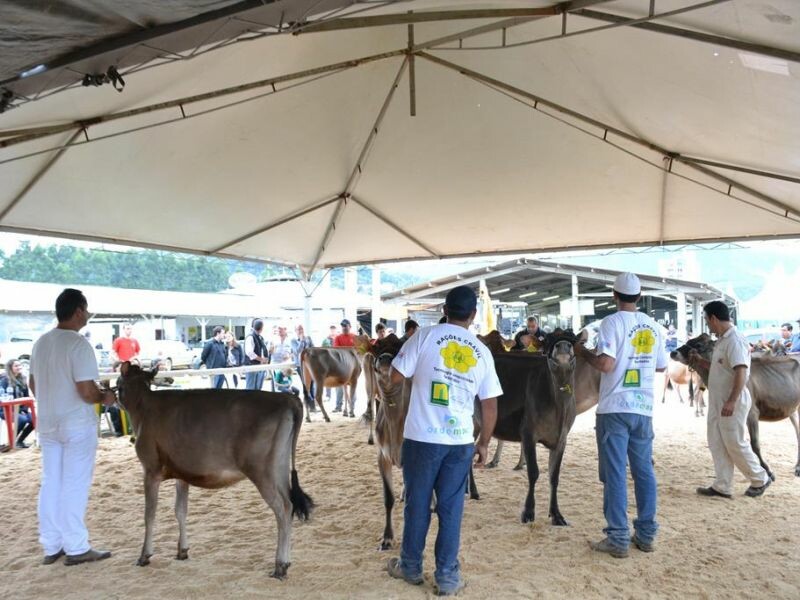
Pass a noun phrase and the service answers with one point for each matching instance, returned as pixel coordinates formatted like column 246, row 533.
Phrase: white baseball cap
column 628, row 284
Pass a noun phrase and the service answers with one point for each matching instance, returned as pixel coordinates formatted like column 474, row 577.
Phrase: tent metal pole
column 278, row 223
column 29, row 186
column 760, row 173
column 358, row 168
column 395, row 226
column 496, row 83
column 698, row 36
column 664, row 181
column 412, row 95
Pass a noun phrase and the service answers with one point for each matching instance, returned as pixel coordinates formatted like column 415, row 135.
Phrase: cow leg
column 181, row 510
column 666, row 385
column 318, row 397
column 529, row 447
column 369, row 415
column 795, row 419
column 151, row 483
column 497, row 453
column 277, row 497
column 385, row 468
column 554, row 468
column 752, row 428
column 521, row 462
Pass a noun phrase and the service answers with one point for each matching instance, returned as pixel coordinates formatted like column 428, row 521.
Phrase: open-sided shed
column 325, row 133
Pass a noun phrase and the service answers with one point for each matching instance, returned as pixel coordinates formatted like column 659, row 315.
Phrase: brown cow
column 678, row 374
column 774, row 386
column 213, row 439
column 332, row 367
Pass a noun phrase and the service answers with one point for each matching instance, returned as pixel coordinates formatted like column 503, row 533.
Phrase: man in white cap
column 630, row 350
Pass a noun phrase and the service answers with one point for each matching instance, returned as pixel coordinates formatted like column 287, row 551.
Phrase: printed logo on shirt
column 440, row 393
column 643, row 341
column 458, row 357
column 632, row 378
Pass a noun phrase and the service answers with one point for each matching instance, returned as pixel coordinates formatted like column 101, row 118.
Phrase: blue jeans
column 218, row 381
column 627, row 438
column 254, row 380
column 443, row 469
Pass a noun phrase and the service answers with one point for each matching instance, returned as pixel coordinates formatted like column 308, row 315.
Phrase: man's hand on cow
column 727, row 408
column 482, row 452
column 109, row 398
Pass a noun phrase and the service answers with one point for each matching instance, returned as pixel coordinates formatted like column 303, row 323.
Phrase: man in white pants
column 63, row 373
column 729, row 404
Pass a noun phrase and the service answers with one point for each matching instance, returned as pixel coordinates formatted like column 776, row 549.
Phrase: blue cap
column 461, row 300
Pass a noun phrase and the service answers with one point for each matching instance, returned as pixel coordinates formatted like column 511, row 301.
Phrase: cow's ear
column 153, row 372
column 583, row 336
column 124, row 368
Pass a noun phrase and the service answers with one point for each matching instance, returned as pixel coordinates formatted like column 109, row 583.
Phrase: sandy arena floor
column 707, row 548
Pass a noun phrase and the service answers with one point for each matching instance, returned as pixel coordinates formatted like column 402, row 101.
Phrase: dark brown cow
column 212, row 439
column 537, row 406
column 332, row 367
column 774, row 386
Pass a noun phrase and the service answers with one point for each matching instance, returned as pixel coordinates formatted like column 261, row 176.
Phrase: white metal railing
column 209, row 372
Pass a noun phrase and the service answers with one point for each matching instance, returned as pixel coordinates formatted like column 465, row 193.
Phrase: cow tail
column 306, row 390
column 302, row 504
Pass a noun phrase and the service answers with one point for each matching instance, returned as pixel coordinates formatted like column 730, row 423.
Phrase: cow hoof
column 308, row 420
column 386, row 545
column 183, row 554
column 144, row 560
column 371, row 442
column 327, row 419
column 797, row 471
column 492, row 464
column 280, row 571
column 772, row 475
column 527, row 517
column 559, row 521
column 519, row 467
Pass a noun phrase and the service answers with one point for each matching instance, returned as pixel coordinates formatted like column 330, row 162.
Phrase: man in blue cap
column 450, row 367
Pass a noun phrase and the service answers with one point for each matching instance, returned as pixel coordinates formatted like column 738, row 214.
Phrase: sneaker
column 49, row 559
column 607, row 547
column 21, row 446
column 642, row 545
column 711, row 492
column 337, row 410
column 90, row 555
column 450, row 592
column 754, row 492
column 394, row 570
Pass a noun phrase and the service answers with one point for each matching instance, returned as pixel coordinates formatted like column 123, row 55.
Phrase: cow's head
column 132, row 379
column 702, row 344
column 381, row 354
column 561, row 356
column 496, row 343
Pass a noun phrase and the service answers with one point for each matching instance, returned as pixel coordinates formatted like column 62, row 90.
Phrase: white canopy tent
column 537, row 126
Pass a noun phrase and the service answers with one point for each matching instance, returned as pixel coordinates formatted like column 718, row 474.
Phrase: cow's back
column 212, row 438
column 337, row 366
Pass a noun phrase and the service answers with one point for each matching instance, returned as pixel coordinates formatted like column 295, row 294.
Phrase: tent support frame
column 394, row 226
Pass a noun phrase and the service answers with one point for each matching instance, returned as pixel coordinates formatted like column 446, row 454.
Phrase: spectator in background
column 15, row 379
column 794, row 341
column 535, row 336
column 346, row 339
column 411, row 327
column 671, row 342
column 280, row 348
column 380, row 332
column 126, row 347
column 215, row 356
column 328, row 341
column 235, row 356
column 256, row 353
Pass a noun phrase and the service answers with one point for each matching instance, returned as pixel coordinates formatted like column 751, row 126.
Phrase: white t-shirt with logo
column 59, row 359
column 450, row 366
column 636, row 343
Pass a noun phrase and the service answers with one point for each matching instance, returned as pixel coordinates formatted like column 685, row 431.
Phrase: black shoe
column 49, row 559
column 710, row 492
column 755, row 492
column 89, row 556
column 21, row 445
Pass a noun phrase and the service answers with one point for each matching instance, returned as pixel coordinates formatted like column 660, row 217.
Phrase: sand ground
column 707, row 548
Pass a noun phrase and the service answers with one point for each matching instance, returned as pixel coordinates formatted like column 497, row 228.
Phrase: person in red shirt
column 346, row 338
column 125, row 346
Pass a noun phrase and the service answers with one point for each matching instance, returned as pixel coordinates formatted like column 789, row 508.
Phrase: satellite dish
column 241, row 279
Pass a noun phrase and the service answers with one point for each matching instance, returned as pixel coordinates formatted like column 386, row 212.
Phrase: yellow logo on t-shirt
column 632, row 378
column 458, row 357
column 643, row 341
column 440, row 393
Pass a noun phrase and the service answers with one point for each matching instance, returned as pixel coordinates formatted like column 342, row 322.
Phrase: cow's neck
column 132, row 398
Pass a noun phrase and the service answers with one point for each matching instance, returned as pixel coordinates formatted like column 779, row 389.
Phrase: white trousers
column 729, row 442
column 67, row 467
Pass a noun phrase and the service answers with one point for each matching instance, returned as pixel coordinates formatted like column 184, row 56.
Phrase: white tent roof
column 580, row 141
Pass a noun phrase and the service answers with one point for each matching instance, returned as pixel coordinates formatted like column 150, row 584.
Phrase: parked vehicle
column 170, row 354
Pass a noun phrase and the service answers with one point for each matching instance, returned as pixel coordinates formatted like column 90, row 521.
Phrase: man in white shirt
column 450, row 367
column 630, row 350
column 729, row 403
column 63, row 373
